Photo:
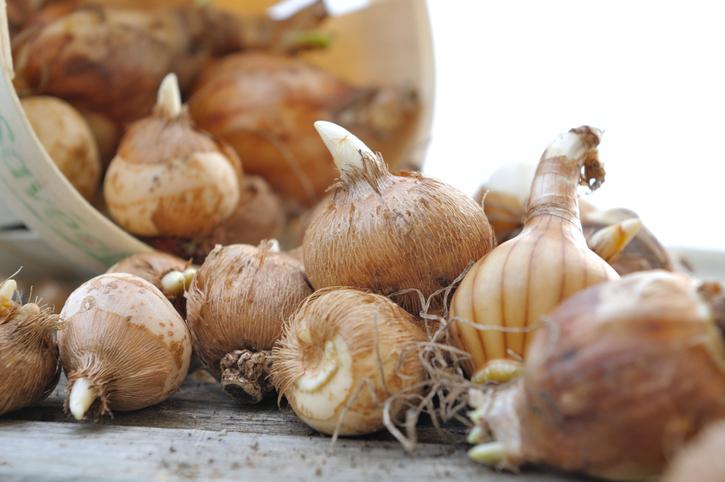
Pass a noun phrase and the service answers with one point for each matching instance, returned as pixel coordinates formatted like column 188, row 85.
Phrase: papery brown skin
column 68, row 140
column 265, row 105
column 387, row 233
column 382, row 341
column 124, row 336
column 619, row 377
column 29, row 364
column 152, row 267
column 700, row 460
column 240, row 298
column 187, row 194
column 528, row 276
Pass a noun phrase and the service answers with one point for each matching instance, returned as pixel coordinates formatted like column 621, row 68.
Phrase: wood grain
column 201, row 434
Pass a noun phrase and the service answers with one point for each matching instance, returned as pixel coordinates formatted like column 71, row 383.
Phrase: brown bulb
column 122, row 344
column 169, row 178
column 388, row 233
column 264, row 105
column 259, row 215
column 29, row 365
column 617, row 379
column 236, row 306
column 68, row 140
column 344, row 353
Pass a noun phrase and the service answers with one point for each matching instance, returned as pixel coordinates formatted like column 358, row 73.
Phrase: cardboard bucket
column 387, row 42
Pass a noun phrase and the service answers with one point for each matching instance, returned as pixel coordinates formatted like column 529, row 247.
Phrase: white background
column 511, row 75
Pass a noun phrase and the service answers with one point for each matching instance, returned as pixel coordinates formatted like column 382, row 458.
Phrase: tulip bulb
column 169, row 178
column 509, row 290
column 123, row 346
column 617, row 379
column 29, row 367
column 387, row 233
column 264, row 106
column 343, row 354
column 68, row 140
column 236, row 306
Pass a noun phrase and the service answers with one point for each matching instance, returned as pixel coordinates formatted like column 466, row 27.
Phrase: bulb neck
column 571, row 160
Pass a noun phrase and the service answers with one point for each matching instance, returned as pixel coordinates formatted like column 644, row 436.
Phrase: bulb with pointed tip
column 503, row 297
column 386, row 233
column 168, row 178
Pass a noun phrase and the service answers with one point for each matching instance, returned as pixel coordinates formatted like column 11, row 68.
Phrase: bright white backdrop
column 512, row 75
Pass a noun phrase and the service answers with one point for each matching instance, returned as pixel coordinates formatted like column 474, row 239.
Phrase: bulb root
column 82, row 395
column 245, row 375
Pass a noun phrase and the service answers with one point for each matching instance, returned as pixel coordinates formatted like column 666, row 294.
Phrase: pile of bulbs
column 574, row 366
column 585, row 347
column 240, row 163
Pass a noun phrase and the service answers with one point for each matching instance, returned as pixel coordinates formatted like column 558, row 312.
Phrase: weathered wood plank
column 202, row 404
column 45, row 451
column 201, row 434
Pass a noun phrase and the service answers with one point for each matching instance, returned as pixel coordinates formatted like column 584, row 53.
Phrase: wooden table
column 201, row 434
